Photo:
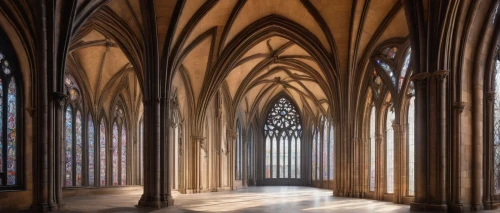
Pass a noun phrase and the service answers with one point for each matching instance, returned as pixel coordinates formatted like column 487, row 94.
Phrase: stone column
column 441, row 77
column 421, row 148
column 379, row 167
column 457, row 205
column 231, row 139
column 152, row 196
column 397, row 196
column 489, row 155
column 403, row 162
column 244, row 179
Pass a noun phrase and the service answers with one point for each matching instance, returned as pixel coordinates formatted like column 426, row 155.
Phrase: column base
column 488, row 205
column 152, row 202
column 427, row 207
column 477, row 207
column 45, row 207
column 456, row 207
column 168, row 198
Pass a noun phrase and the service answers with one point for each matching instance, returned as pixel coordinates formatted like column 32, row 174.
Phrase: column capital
column 441, row 75
column 60, row 98
column 490, row 96
column 459, row 106
column 420, row 79
column 232, row 133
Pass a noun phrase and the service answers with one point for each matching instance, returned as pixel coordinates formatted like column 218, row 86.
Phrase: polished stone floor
column 271, row 199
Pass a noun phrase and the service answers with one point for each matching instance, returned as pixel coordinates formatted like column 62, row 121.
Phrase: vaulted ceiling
column 314, row 51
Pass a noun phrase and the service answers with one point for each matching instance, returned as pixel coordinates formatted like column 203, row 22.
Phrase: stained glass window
column 404, row 69
column 388, row 70
column 73, row 137
column 124, row 156
column 78, row 149
column 372, row 149
column 102, row 153
column 68, row 138
column 9, row 142
column 115, row 154
column 411, row 147
column 390, row 52
column 496, row 127
column 332, row 154
column 390, row 150
column 283, row 130
column 91, row 136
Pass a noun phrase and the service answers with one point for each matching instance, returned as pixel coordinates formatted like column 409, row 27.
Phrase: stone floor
column 254, row 199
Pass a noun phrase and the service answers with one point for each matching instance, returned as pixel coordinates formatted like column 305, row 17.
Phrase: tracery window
column 73, row 142
column 390, row 150
column 283, row 129
column 119, row 149
column 10, row 117
column 372, row 149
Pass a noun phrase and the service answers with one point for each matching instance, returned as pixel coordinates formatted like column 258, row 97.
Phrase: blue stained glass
column 115, row 154
column 79, row 148
column 11, row 133
column 102, row 153
column 124, row 156
column 406, row 63
column 91, row 151
column 69, row 147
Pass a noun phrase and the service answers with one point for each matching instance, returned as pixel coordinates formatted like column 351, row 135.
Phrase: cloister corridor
column 270, row 199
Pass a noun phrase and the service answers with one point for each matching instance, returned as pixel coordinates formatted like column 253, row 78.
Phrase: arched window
column 331, row 151
column 239, row 138
column 283, row 128
column 390, row 150
column 314, row 162
column 318, row 154
column 102, row 153
column 10, row 117
column 372, row 149
column 73, row 141
column 119, row 149
column 411, row 147
column 496, row 127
